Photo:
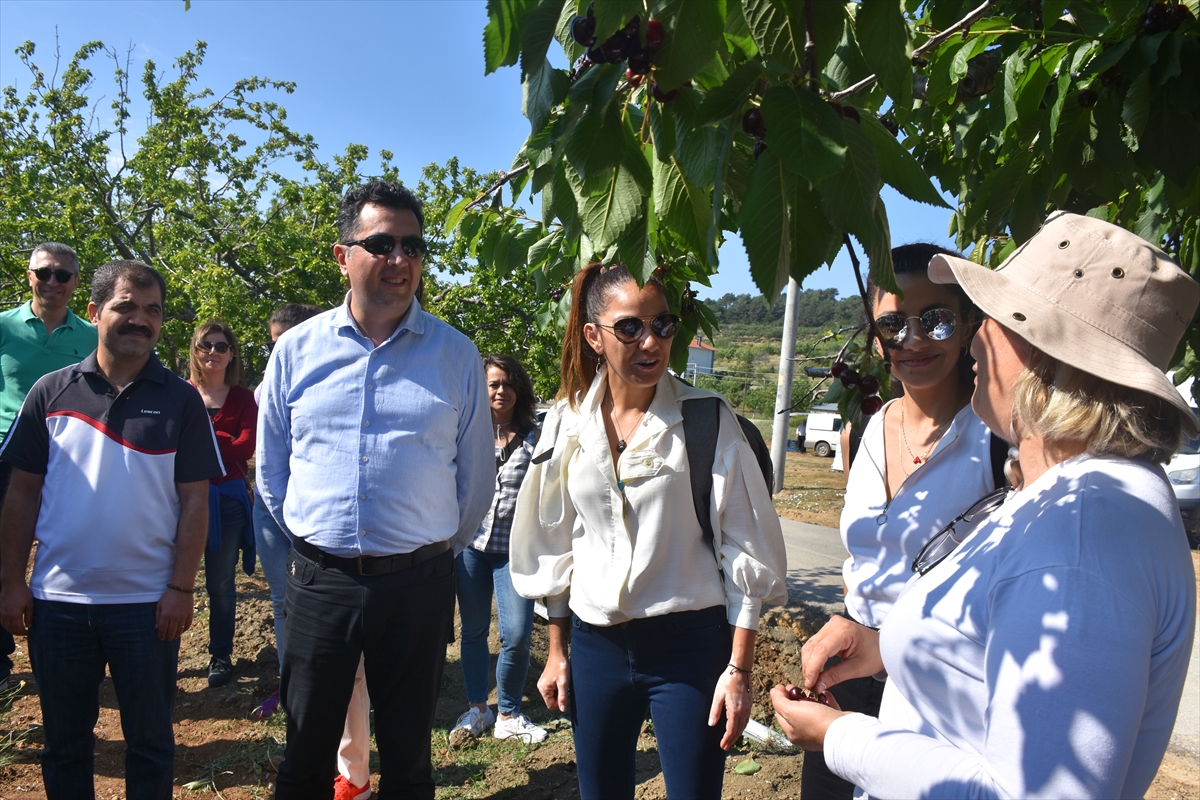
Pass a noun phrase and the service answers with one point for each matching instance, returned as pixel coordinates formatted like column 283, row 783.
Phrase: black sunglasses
column 937, row 324
column 382, row 244
column 630, row 329
column 208, row 347
column 943, row 542
column 61, row 275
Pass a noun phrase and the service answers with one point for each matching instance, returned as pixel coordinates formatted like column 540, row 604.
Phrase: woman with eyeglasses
column 1041, row 647
column 921, row 460
column 216, row 372
column 606, row 531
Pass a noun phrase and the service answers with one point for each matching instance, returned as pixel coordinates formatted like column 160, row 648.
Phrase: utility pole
column 781, row 427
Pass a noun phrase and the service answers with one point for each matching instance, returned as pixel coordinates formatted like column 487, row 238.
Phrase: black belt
column 370, row 565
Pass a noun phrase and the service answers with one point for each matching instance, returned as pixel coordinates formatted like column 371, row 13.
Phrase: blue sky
column 403, row 76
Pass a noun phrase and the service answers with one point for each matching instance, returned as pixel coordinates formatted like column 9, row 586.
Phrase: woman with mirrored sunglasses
column 657, row 616
column 216, row 372
column 921, row 461
column 1045, row 654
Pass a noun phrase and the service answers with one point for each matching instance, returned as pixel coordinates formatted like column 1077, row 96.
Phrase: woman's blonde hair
column 1063, row 403
column 233, row 370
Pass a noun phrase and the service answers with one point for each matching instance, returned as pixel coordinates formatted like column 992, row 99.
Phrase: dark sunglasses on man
column 220, row 347
column 61, row 275
column 382, row 244
column 630, row 329
column 936, row 323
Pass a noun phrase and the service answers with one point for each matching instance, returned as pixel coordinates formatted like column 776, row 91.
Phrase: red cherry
column 849, row 378
column 660, row 95
column 871, row 405
column 869, row 385
column 654, row 33
column 795, row 694
column 837, row 369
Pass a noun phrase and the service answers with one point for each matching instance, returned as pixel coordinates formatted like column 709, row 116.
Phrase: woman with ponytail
column 657, row 615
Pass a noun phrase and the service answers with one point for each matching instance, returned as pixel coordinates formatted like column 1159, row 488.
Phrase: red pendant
column 916, row 459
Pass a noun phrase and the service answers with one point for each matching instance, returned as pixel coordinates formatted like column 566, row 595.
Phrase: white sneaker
column 475, row 722
column 519, row 725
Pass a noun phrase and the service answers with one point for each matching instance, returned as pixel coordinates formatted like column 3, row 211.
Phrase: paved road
column 815, row 557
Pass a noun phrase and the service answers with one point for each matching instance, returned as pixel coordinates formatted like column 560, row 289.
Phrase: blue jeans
column 478, row 574
column 273, row 546
column 670, row 663
column 69, row 644
column 220, row 569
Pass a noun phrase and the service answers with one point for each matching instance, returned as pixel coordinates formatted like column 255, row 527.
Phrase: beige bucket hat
column 1092, row 295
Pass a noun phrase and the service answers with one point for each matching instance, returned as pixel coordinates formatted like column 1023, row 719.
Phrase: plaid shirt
column 493, row 533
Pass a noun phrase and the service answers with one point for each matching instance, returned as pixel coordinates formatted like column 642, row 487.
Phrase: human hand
column 555, row 683
column 16, row 608
column 735, row 695
column 174, row 614
column 857, row 646
column 803, row 721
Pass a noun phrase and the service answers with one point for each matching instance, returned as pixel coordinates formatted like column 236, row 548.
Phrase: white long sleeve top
column 619, row 544
column 884, row 537
column 1045, row 657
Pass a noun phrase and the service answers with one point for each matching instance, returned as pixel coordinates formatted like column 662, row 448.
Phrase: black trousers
column 817, row 781
column 8, row 645
column 400, row 623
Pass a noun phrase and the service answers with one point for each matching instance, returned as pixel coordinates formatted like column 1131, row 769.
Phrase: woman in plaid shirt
column 484, row 566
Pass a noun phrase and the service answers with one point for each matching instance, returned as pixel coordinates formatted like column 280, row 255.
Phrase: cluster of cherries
column 867, row 384
column 1164, row 17
column 624, row 45
column 795, row 694
column 756, row 128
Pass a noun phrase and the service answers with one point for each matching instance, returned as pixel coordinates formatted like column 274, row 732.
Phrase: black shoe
column 220, row 671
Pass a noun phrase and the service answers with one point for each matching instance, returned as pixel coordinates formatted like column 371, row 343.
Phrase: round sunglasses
column 936, row 323
column 382, row 244
column 61, row 275
column 208, row 347
column 631, row 329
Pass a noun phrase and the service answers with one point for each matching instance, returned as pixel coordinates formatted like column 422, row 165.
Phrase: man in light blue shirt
column 376, row 455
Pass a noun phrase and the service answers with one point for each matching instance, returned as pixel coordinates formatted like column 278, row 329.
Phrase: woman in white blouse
column 606, row 532
column 1040, row 648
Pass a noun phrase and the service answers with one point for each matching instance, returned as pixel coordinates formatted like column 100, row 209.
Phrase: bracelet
column 180, row 589
column 735, row 668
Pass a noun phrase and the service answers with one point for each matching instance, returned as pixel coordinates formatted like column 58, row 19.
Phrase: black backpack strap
column 701, row 424
column 999, row 456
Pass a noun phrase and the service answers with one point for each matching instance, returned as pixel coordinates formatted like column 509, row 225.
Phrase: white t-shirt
column 619, row 544
column 1045, row 657
column 883, row 538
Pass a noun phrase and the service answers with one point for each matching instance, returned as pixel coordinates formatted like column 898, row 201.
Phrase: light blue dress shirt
column 372, row 451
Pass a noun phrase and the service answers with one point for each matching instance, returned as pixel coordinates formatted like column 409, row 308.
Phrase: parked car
column 1183, row 470
column 823, row 429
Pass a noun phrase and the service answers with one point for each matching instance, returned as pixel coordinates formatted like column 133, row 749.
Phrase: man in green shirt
column 36, row 338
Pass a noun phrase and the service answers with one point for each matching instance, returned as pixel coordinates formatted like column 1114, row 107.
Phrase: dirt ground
column 221, row 752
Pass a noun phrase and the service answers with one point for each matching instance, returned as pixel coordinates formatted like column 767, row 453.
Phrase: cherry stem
column 862, row 293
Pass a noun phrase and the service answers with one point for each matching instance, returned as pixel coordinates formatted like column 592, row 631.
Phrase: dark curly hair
column 525, row 411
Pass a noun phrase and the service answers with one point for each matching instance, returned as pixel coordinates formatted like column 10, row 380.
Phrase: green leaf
column 804, row 132
column 876, row 240
column 634, row 250
column 847, row 66
column 562, row 32
column 541, row 91
column 851, row 195
column 747, row 767
column 764, row 224
column 563, row 202
column 812, row 236
column 941, row 85
column 611, row 16
column 598, row 143
column 537, row 31
column 697, row 151
column 778, row 29
column 698, row 29
column 1005, row 182
column 683, row 207
column 883, row 36
column 897, row 166
column 607, row 215
column 662, row 130
column 1031, row 89
column 501, row 36
column 726, row 99
column 455, row 214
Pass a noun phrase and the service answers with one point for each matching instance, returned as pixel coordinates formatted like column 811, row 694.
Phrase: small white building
column 701, row 357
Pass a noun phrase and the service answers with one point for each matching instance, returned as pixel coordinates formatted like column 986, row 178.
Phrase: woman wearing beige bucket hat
column 1040, row 649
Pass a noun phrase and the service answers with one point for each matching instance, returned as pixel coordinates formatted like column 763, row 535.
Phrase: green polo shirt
column 27, row 353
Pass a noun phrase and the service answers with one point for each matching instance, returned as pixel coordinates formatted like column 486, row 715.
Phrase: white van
column 823, row 429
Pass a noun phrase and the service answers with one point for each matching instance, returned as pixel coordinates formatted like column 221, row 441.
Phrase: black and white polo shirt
column 110, row 507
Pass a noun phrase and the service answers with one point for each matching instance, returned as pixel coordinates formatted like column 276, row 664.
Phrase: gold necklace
column 918, row 460
column 612, row 416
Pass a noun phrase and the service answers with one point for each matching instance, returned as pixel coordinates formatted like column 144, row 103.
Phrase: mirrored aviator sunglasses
column 631, row 329
column 936, row 323
column 382, row 244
